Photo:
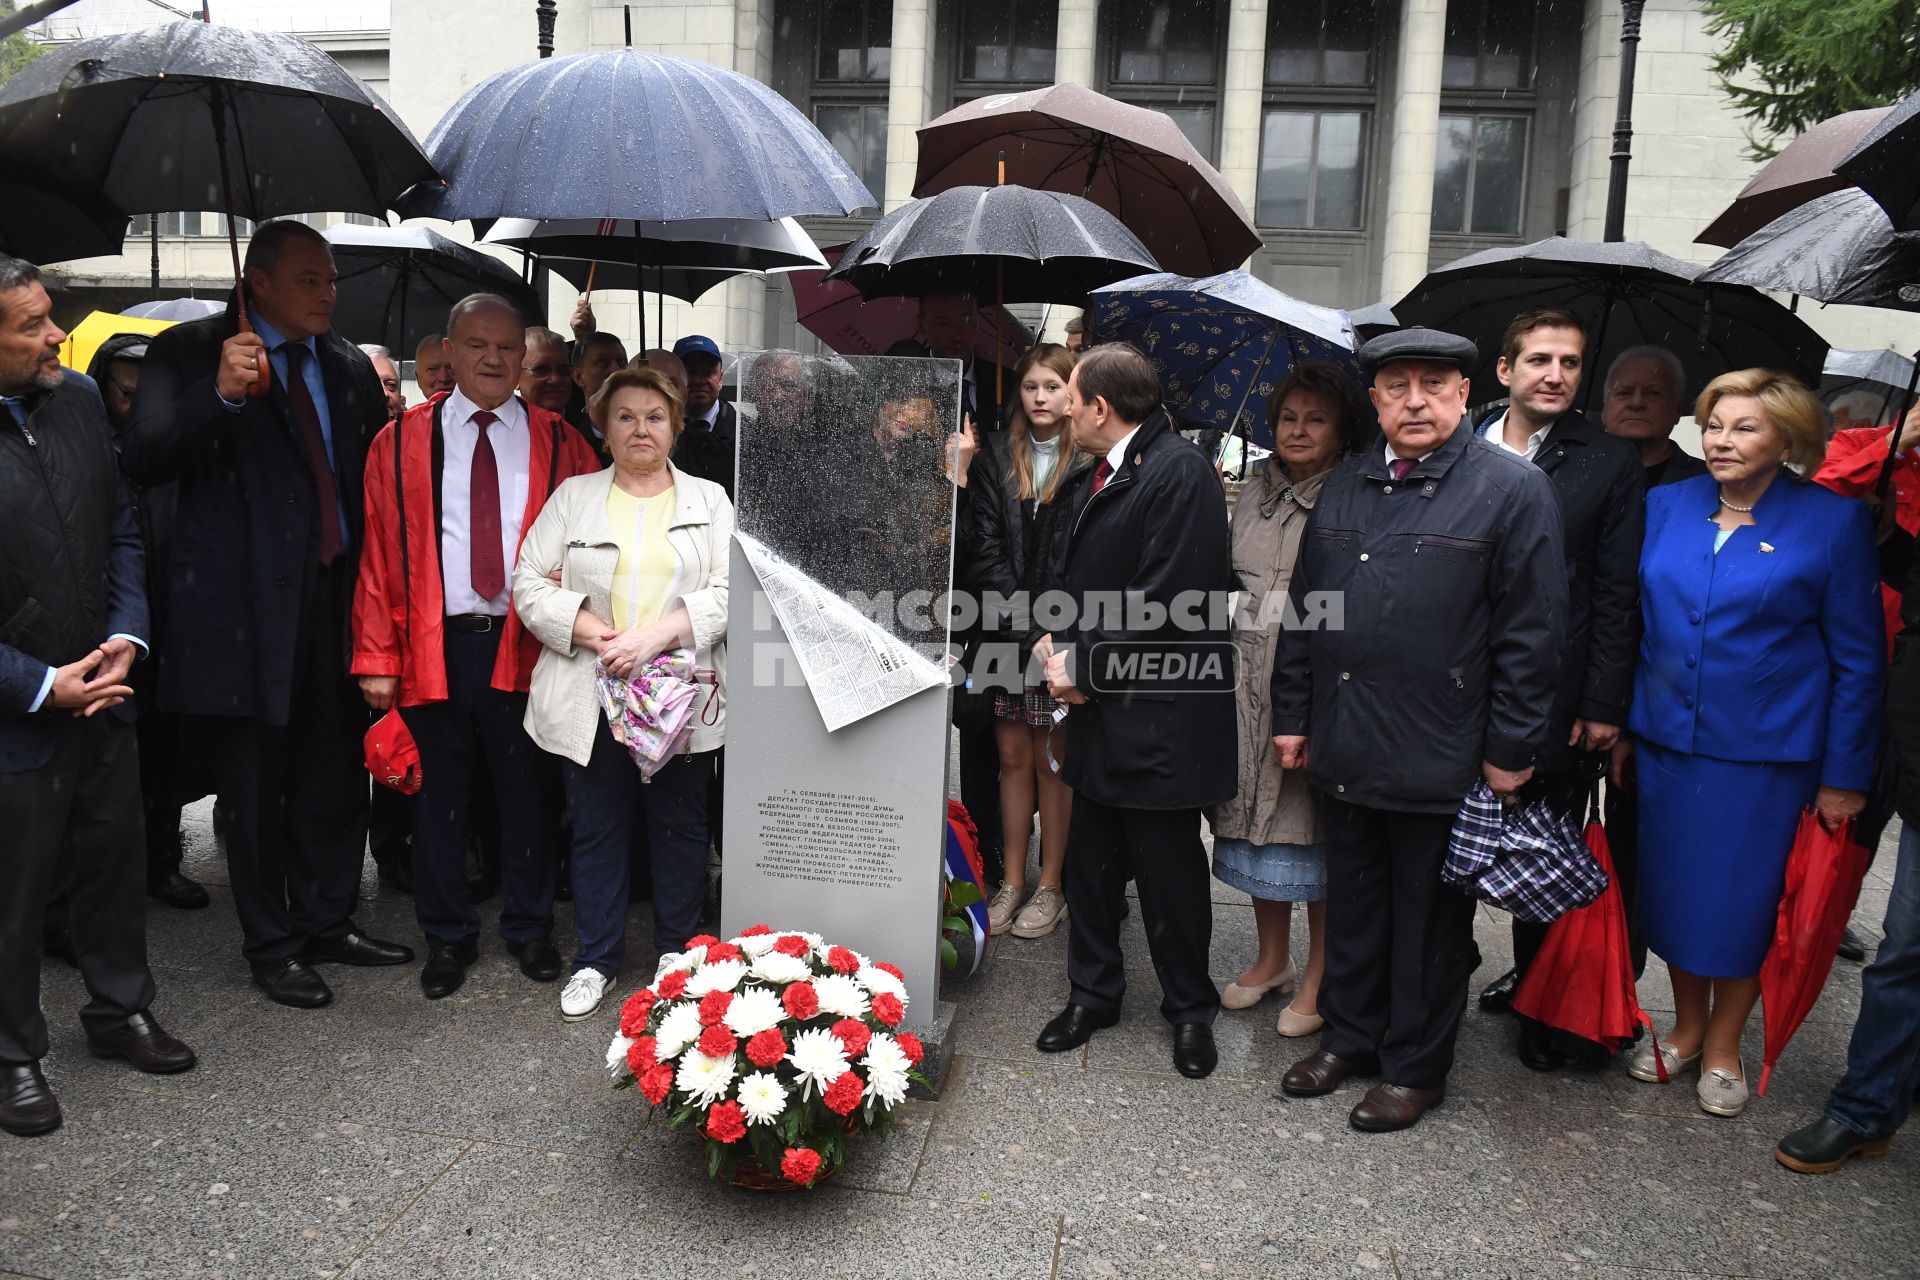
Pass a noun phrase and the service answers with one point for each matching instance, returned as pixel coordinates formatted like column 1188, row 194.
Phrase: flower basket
column 779, row 1047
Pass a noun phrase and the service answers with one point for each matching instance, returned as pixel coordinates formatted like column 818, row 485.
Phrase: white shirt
column 1496, row 433
column 512, row 443
column 1393, row 457
column 709, row 417
column 1118, row 454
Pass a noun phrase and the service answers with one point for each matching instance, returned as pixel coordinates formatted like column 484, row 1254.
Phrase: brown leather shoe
column 1320, row 1072
column 1391, row 1107
column 141, row 1041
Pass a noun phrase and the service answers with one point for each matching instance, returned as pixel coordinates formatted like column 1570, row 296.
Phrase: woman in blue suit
column 1757, row 696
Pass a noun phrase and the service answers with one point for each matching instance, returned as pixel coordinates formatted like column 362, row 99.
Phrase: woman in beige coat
column 622, row 566
column 1266, row 839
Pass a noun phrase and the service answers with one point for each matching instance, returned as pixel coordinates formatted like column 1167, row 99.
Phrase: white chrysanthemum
column 754, row 1010
column 721, row 975
column 780, row 968
column 678, row 1029
column 758, row 945
column 819, row 1057
column 888, row 1088
column 878, row 980
column 840, row 996
column 704, row 1080
column 617, row 1053
column 762, row 1097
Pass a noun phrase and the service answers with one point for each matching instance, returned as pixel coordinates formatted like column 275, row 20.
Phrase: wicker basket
column 748, row 1175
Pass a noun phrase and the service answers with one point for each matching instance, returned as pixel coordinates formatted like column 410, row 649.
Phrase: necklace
column 1745, row 511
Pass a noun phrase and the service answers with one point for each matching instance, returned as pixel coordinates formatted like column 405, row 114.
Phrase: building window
column 858, row 131
column 1479, row 174
column 1489, row 45
column 1007, row 42
column 1313, row 167
column 1320, row 42
column 1167, row 56
column 856, row 41
column 853, row 54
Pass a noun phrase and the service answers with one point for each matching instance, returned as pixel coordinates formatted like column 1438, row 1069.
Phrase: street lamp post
column 544, row 13
column 1616, row 227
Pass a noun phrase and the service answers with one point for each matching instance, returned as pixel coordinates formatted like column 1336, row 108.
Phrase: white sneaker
column 583, row 994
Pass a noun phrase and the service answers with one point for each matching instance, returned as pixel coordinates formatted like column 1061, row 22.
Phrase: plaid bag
column 1526, row 860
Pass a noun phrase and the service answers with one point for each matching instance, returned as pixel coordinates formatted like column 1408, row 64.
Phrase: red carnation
column 642, row 1053
column 701, row 940
column 893, row 969
column 887, row 1008
column 713, row 1006
column 718, row 1042
column 854, row 1034
column 843, row 1095
column 656, row 1082
column 911, row 1046
column 726, row 1122
column 792, row 944
column 843, row 960
column 800, row 1166
column 722, row 951
column 633, row 1014
column 801, row 1001
column 756, row 931
column 673, row 986
column 767, row 1048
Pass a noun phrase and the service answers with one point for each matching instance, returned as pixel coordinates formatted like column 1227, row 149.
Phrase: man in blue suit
column 73, row 614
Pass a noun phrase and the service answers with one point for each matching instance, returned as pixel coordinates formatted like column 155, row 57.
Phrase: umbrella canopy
column 1011, row 244
column 834, row 312
column 1835, row 248
column 1802, row 170
column 139, row 120
column 1845, row 370
column 41, row 225
column 1133, row 162
column 737, row 244
column 85, row 338
column 689, row 284
column 1626, row 294
column 1371, row 322
column 178, row 309
column 671, row 139
column 1824, row 872
column 1221, row 344
column 1882, row 165
column 397, row 283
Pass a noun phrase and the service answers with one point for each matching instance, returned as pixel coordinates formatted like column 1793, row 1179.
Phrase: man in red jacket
column 450, row 489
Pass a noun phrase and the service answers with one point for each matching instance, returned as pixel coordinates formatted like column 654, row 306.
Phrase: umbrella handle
column 263, row 376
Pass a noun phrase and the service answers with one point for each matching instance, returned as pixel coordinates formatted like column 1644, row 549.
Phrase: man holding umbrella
column 267, row 543
column 1445, row 552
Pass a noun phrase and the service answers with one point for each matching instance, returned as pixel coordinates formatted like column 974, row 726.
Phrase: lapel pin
column 1767, row 547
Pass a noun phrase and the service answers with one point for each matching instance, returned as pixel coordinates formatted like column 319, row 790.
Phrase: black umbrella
column 1884, row 167
column 42, row 225
column 1011, row 244
column 1838, row 248
column 397, row 283
column 1626, row 294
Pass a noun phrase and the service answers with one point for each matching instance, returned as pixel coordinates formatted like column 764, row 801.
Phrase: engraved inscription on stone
column 824, row 837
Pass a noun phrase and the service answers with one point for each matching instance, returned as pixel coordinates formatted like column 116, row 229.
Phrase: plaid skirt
column 1034, row 707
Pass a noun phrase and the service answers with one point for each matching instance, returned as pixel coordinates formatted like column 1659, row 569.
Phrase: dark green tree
column 1788, row 64
column 16, row 51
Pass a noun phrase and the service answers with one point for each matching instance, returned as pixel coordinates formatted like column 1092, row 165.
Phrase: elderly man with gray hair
column 1644, row 397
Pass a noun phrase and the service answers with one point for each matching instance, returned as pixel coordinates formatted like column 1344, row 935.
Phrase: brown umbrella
column 1132, row 162
column 1802, row 171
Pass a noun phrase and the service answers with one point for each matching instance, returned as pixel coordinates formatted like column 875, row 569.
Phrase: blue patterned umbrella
column 1223, row 344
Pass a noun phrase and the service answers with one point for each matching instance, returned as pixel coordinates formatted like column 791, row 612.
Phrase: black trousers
column 296, row 794
column 158, row 735
column 479, row 729
column 390, row 827
column 980, row 792
column 1161, row 851
column 1400, row 947
column 76, row 817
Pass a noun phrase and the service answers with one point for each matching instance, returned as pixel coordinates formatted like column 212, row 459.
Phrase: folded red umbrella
column 393, row 758
column 1824, row 872
column 1582, row 979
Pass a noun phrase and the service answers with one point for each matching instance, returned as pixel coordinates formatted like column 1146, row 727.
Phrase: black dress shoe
column 446, row 967
column 292, row 983
column 1825, row 1145
column 1852, row 946
column 538, row 958
column 1537, row 1050
column 1194, row 1053
column 1388, row 1108
column 1072, row 1027
column 1321, row 1072
column 1498, row 997
column 141, row 1041
column 176, row 890
column 27, row 1107
column 355, row 948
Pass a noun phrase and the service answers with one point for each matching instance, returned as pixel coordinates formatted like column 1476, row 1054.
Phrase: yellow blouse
column 644, row 576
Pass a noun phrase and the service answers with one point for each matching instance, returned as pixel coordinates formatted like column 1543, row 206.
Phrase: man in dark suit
column 595, row 359
column 266, row 545
column 1145, row 752
column 950, row 325
column 710, row 443
column 75, row 620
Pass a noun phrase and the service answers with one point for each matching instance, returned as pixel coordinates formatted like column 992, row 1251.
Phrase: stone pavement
column 478, row 1137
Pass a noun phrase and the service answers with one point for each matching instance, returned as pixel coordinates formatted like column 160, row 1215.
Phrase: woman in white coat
column 621, row 566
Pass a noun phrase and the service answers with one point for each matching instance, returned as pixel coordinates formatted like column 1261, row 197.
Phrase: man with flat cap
column 1433, row 598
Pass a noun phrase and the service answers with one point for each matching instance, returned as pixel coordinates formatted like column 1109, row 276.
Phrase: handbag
column 1527, row 860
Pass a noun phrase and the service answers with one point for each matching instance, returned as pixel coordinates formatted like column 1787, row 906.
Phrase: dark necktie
column 1101, row 474
column 313, row 442
column 1401, row 467
column 487, row 563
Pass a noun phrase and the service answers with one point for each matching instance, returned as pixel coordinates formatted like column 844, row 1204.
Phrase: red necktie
column 313, row 443
column 1101, row 474
column 488, row 570
column 1401, row 467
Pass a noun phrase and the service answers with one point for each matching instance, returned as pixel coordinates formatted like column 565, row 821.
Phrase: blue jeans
column 1883, row 1058
column 605, row 798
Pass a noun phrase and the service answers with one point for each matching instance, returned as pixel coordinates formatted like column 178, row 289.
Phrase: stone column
column 1240, row 89
column 909, row 95
column 1074, row 42
column 1416, row 129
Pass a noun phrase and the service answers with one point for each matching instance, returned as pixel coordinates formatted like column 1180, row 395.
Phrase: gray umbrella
column 397, row 283
column 1838, row 248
